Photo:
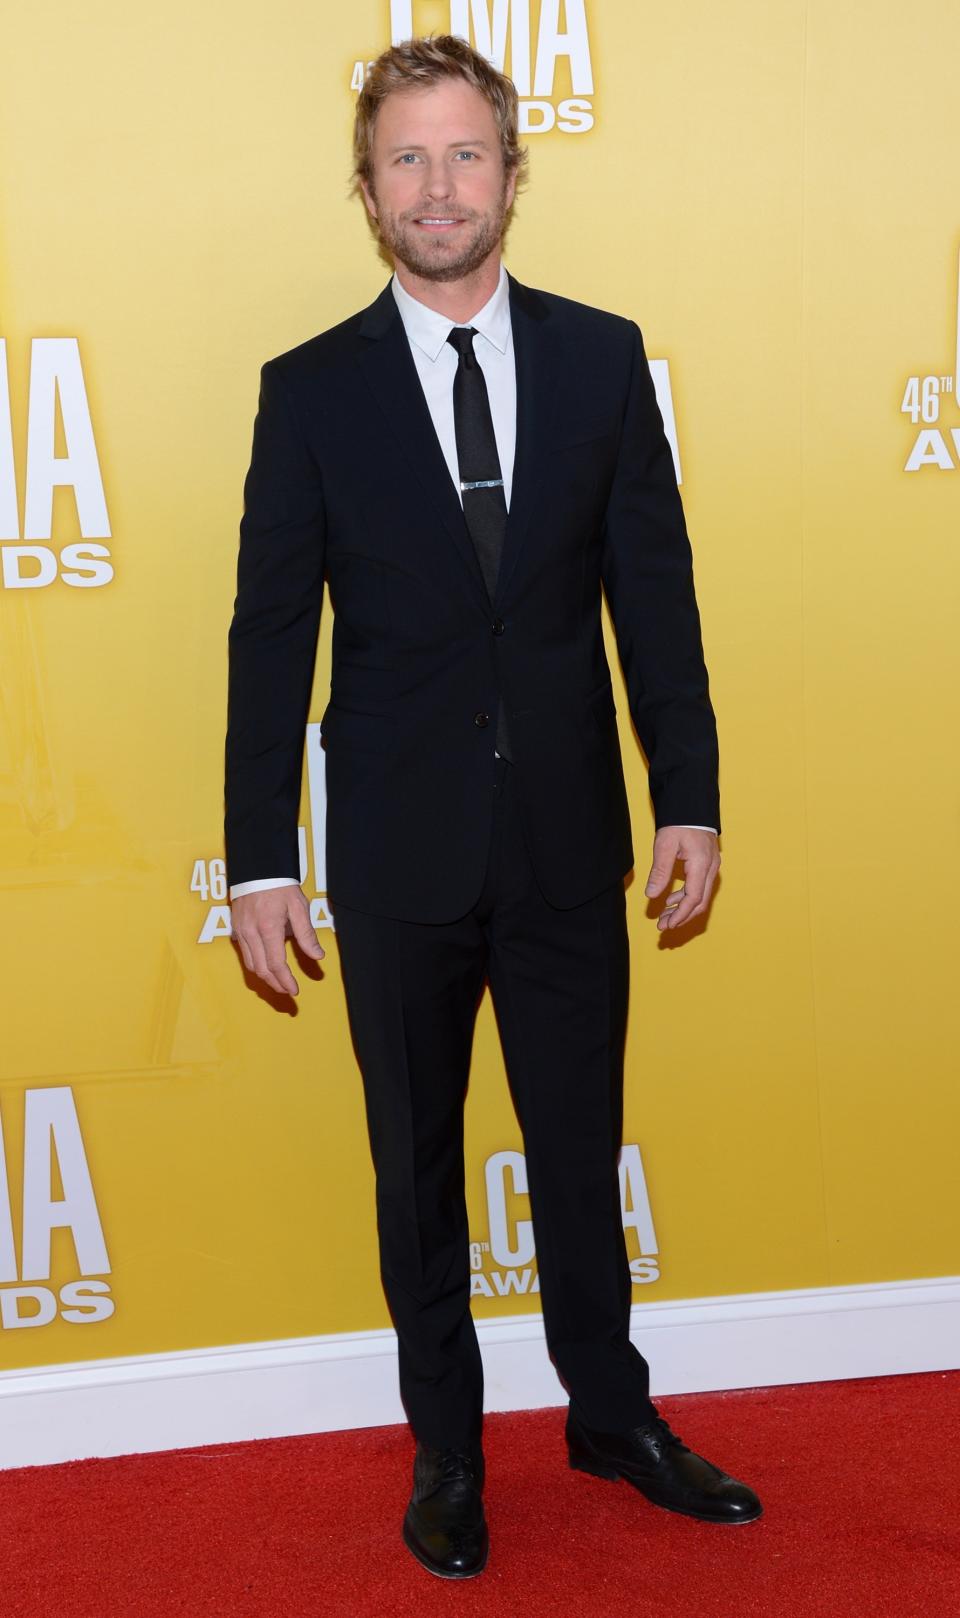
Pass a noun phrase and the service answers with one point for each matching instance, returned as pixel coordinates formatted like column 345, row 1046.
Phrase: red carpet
column 860, row 1482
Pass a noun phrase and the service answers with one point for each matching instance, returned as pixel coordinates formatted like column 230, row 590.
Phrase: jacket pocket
column 585, row 432
column 356, row 727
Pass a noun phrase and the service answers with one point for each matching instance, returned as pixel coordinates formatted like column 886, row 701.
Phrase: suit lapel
column 390, row 370
column 537, row 354
column 391, row 373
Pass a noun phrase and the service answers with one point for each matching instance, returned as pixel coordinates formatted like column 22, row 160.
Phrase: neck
column 458, row 300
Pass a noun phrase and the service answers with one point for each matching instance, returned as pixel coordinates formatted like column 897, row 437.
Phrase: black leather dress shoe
column 661, row 1466
column 444, row 1526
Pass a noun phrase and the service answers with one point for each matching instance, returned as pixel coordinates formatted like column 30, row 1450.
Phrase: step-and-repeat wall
column 765, row 189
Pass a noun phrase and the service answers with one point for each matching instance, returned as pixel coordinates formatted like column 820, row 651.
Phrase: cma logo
column 511, row 1251
column 534, row 55
column 923, row 397
column 51, row 1138
column 56, row 376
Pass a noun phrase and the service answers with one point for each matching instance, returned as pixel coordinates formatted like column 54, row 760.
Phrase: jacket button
column 497, row 626
column 481, row 720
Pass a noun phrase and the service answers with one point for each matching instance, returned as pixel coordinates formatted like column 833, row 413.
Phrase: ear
column 368, row 198
column 511, row 187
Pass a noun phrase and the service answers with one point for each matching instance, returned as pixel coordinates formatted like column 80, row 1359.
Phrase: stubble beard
column 431, row 258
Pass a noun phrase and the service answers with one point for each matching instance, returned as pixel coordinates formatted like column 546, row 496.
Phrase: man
column 470, row 463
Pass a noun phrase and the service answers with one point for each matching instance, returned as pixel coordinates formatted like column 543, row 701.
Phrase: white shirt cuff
column 264, row 882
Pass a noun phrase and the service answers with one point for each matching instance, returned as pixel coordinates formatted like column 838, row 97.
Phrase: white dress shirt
column 436, row 363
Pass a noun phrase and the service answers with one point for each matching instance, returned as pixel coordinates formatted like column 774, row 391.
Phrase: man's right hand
column 262, row 922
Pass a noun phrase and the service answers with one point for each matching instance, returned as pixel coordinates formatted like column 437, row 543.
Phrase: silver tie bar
column 484, row 483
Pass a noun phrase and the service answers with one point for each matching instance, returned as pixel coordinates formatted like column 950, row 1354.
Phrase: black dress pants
column 559, row 981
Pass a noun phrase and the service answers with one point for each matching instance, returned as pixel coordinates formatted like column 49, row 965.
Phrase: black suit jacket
column 348, row 482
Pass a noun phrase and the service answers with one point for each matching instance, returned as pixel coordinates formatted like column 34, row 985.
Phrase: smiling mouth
column 437, row 222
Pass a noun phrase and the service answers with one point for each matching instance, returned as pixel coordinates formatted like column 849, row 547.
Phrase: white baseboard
column 317, row 1384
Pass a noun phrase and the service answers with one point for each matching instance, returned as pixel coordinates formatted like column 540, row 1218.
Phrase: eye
column 466, row 154
column 412, row 156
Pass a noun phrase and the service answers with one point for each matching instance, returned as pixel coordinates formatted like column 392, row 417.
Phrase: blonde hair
column 415, row 65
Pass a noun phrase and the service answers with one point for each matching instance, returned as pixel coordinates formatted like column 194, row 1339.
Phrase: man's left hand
column 700, row 853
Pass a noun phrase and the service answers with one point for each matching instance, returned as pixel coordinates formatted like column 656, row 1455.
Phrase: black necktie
column 481, row 480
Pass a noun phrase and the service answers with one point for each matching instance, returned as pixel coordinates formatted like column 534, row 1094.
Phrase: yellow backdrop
column 761, row 186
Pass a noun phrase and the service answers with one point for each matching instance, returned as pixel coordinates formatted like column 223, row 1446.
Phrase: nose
column 437, row 180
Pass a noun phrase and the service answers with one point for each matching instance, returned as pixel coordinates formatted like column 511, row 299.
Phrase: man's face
column 439, row 191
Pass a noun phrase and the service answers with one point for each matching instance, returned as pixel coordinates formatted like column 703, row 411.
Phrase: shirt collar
column 428, row 329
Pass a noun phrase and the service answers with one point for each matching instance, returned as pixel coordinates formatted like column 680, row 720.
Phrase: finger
column 269, row 962
column 692, row 898
column 245, row 955
column 661, row 870
column 674, row 917
column 305, row 935
column 276, row 961
column 707, row 889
